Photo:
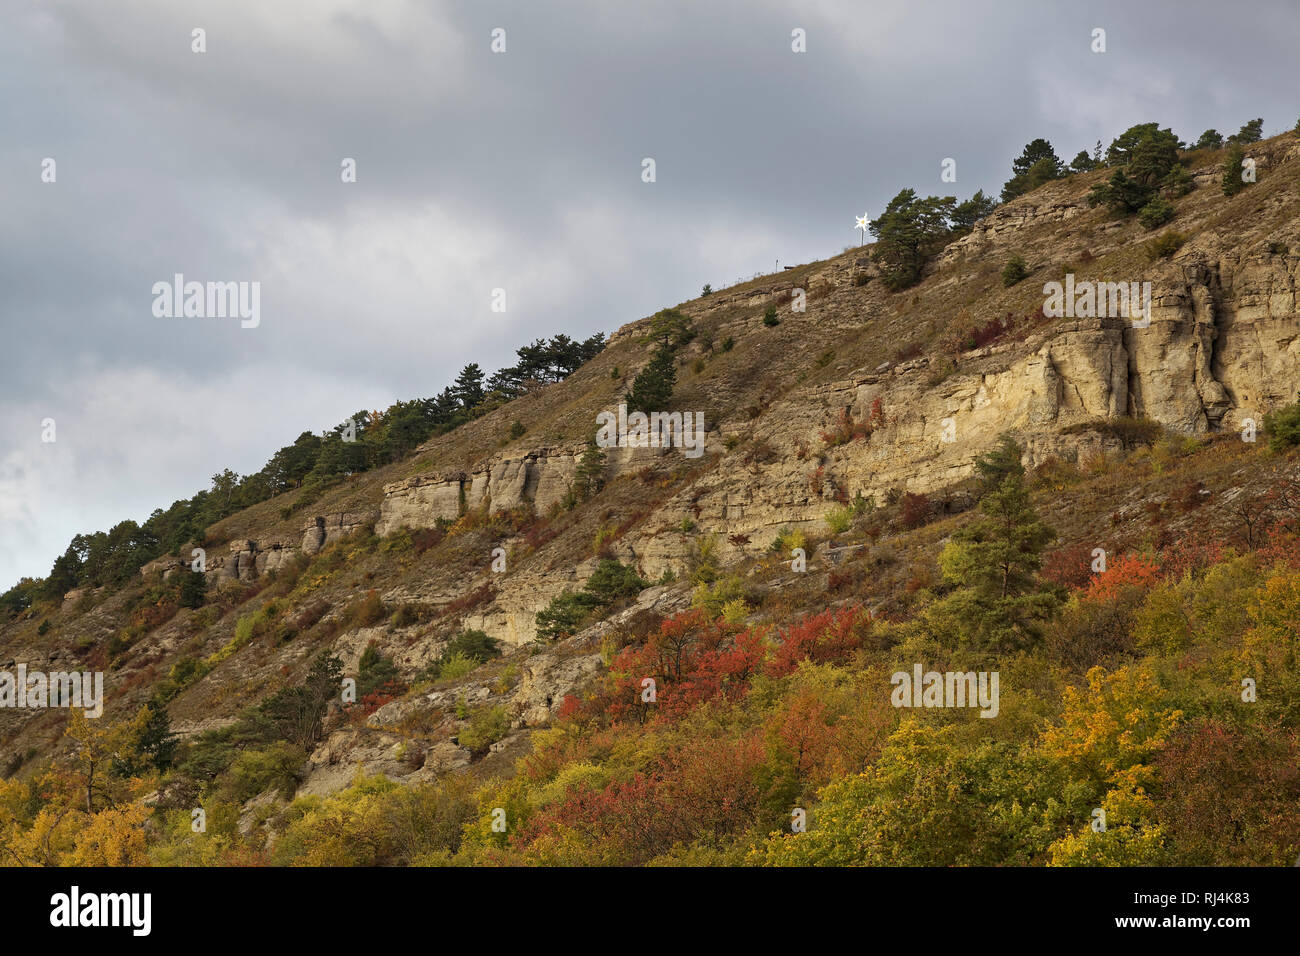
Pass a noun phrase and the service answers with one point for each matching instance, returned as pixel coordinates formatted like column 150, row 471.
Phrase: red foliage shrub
column 1070, row 567
column 570, row 708
column 829, row 637
column 708, row 789
column 913, row 510
column 1229, row 795
column 425, row 538
column 1130, row 570
column 1190, row 554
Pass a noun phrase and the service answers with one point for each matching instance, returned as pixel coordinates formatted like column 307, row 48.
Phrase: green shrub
column 861, row 504
column 839, row 519
column 1164, row 245
column 769, row 317
column 1156, row 213
column 567, row 612
column 1283, row 427
column 517, row 429
column 464, row 652
column 714, row 598
column 374, row 670
column 253, row 772
column 564, row 616
column 1014, row 271
column 1179, row 181
column 486, row 726
column 612, row 580
column 1232, row 182
column 728, row 344
column 705, row 562
column 456, row 665
column 788, row 539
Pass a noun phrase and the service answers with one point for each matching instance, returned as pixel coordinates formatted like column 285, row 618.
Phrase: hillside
column 848, row 436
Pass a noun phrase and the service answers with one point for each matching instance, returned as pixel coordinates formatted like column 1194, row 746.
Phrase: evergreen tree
column 670, row 327
column 590, row 475
column 994, row 562
column 1146, row 156
column 193, row 588
column 298, row 712
column 1210, row 139
column 966, row 214
column 1037, row 164
column 999, row 464
column 1232, row 181
column 468, row 387
column 1082, row 163
column 1252, row 132
column 909, row 233
column 653, row 387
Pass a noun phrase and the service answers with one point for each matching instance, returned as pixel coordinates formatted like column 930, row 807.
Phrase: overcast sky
column 478, row 170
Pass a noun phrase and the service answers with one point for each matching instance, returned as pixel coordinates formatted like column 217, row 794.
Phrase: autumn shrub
column 839, row 520
column 1092, row 632
column 913, row 510
column 1131, row 432
column 1123, row 572
column 830, row 637
column 486, row 727
column 1164, row 245
column 1283, row 427
column 1227, row 795
column 1070, row 567
column 787, row 540
column 367, row 611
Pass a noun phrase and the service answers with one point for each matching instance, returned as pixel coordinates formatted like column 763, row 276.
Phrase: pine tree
column 590, row 475
column 653, row 387
column 966, row 214
column 1252, row 132
column 193, row 586
column 998, row 464
column 994, row 563
column 909, row 233
column 1232, row 181
column 1210, row 139
column 468, row 387
column 1082, row 162
column 1037, row 164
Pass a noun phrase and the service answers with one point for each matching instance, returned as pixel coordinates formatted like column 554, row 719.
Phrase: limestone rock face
column 1222, row 344
column 248, row 559
column 538, row 479
column 546, row 679
column 326, row 529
